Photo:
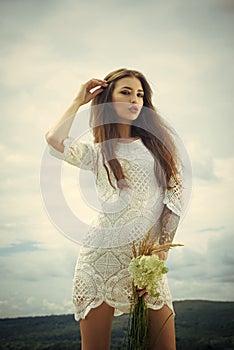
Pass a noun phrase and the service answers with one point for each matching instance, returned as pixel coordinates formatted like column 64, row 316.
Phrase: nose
column 133, row 98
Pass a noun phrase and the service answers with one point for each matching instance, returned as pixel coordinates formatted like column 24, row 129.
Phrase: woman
column 135, row 164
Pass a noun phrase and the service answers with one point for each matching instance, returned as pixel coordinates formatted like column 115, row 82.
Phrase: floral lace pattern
column 101, row 275
column 101, row 272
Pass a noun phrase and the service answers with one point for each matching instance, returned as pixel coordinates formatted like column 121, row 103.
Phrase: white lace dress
column 101, row 273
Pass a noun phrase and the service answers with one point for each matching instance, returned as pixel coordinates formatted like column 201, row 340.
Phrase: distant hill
column 199, row 325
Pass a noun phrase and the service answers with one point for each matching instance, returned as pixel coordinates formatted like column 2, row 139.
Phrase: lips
column 133, row 109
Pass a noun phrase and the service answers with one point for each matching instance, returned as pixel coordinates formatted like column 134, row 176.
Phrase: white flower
column 146, row 271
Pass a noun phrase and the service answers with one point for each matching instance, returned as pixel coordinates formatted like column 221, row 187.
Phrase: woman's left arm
column 169, row 222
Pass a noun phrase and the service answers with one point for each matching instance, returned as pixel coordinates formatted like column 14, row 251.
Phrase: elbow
column 54, row 142
column 50, row 139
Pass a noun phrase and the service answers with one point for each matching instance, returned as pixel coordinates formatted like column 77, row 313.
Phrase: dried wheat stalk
column 148, row 246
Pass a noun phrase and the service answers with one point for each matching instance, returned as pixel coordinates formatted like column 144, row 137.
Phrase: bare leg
column 96, row 328
column 161, row 337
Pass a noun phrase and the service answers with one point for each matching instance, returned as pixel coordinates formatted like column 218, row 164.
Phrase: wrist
column 76, row 102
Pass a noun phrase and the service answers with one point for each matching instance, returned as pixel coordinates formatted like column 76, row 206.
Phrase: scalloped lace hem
column 118, row 312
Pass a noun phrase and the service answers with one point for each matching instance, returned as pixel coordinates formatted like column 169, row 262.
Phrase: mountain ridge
column 200, row 324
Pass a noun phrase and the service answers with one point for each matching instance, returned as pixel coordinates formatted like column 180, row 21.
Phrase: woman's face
column 128, row 98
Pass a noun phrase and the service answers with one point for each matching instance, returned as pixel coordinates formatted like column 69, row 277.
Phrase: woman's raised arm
column 59, row 132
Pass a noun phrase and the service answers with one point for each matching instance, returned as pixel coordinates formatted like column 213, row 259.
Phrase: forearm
column 169, row 222
column 59, row 132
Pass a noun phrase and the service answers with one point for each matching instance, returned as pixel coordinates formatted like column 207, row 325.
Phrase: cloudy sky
column 49, row 48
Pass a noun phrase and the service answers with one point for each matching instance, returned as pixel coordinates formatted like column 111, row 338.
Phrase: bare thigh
column 96, row 328
column 161, row 336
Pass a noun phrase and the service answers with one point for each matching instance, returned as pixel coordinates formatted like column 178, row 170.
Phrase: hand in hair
column 86, row 94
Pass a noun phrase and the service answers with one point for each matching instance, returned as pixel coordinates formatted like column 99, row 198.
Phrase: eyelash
column 126, row 92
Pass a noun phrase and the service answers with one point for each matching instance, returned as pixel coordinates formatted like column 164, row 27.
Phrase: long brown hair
column 104, row 122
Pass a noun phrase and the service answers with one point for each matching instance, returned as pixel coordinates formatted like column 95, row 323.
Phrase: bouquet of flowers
column 146, row 270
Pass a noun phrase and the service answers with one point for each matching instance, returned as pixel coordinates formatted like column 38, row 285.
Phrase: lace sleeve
column 173, row 196
column 78, row 153
column 169, row 222
column 171, row 213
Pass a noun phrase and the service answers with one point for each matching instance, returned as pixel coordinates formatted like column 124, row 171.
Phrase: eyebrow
column 127, row 87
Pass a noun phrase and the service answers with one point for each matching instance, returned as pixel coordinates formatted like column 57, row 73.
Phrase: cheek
column 118, row 107
column 117, row 98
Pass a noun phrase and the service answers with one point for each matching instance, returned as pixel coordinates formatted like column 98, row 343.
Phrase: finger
column 162, row 255
column 103, row 82
column 94, row 83
column 96, row 92
column 143, row 292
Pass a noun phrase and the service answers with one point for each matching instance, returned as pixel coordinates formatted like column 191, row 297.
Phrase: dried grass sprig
column 148, row 246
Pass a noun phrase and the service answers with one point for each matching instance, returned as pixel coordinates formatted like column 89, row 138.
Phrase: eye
column 125, row 92
column 140, row 95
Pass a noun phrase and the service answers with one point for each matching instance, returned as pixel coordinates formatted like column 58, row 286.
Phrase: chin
column 128, row 117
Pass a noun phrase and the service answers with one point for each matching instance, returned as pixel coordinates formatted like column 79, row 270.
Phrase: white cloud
column 30, row 300
column 198, row 274
column 51, row 307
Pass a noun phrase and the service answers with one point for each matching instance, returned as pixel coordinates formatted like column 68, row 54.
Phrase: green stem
column 137, row 325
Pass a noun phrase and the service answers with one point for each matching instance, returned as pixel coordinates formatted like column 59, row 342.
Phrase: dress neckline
column 129, row 142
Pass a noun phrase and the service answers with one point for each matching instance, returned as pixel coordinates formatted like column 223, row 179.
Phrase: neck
column 124, row 131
